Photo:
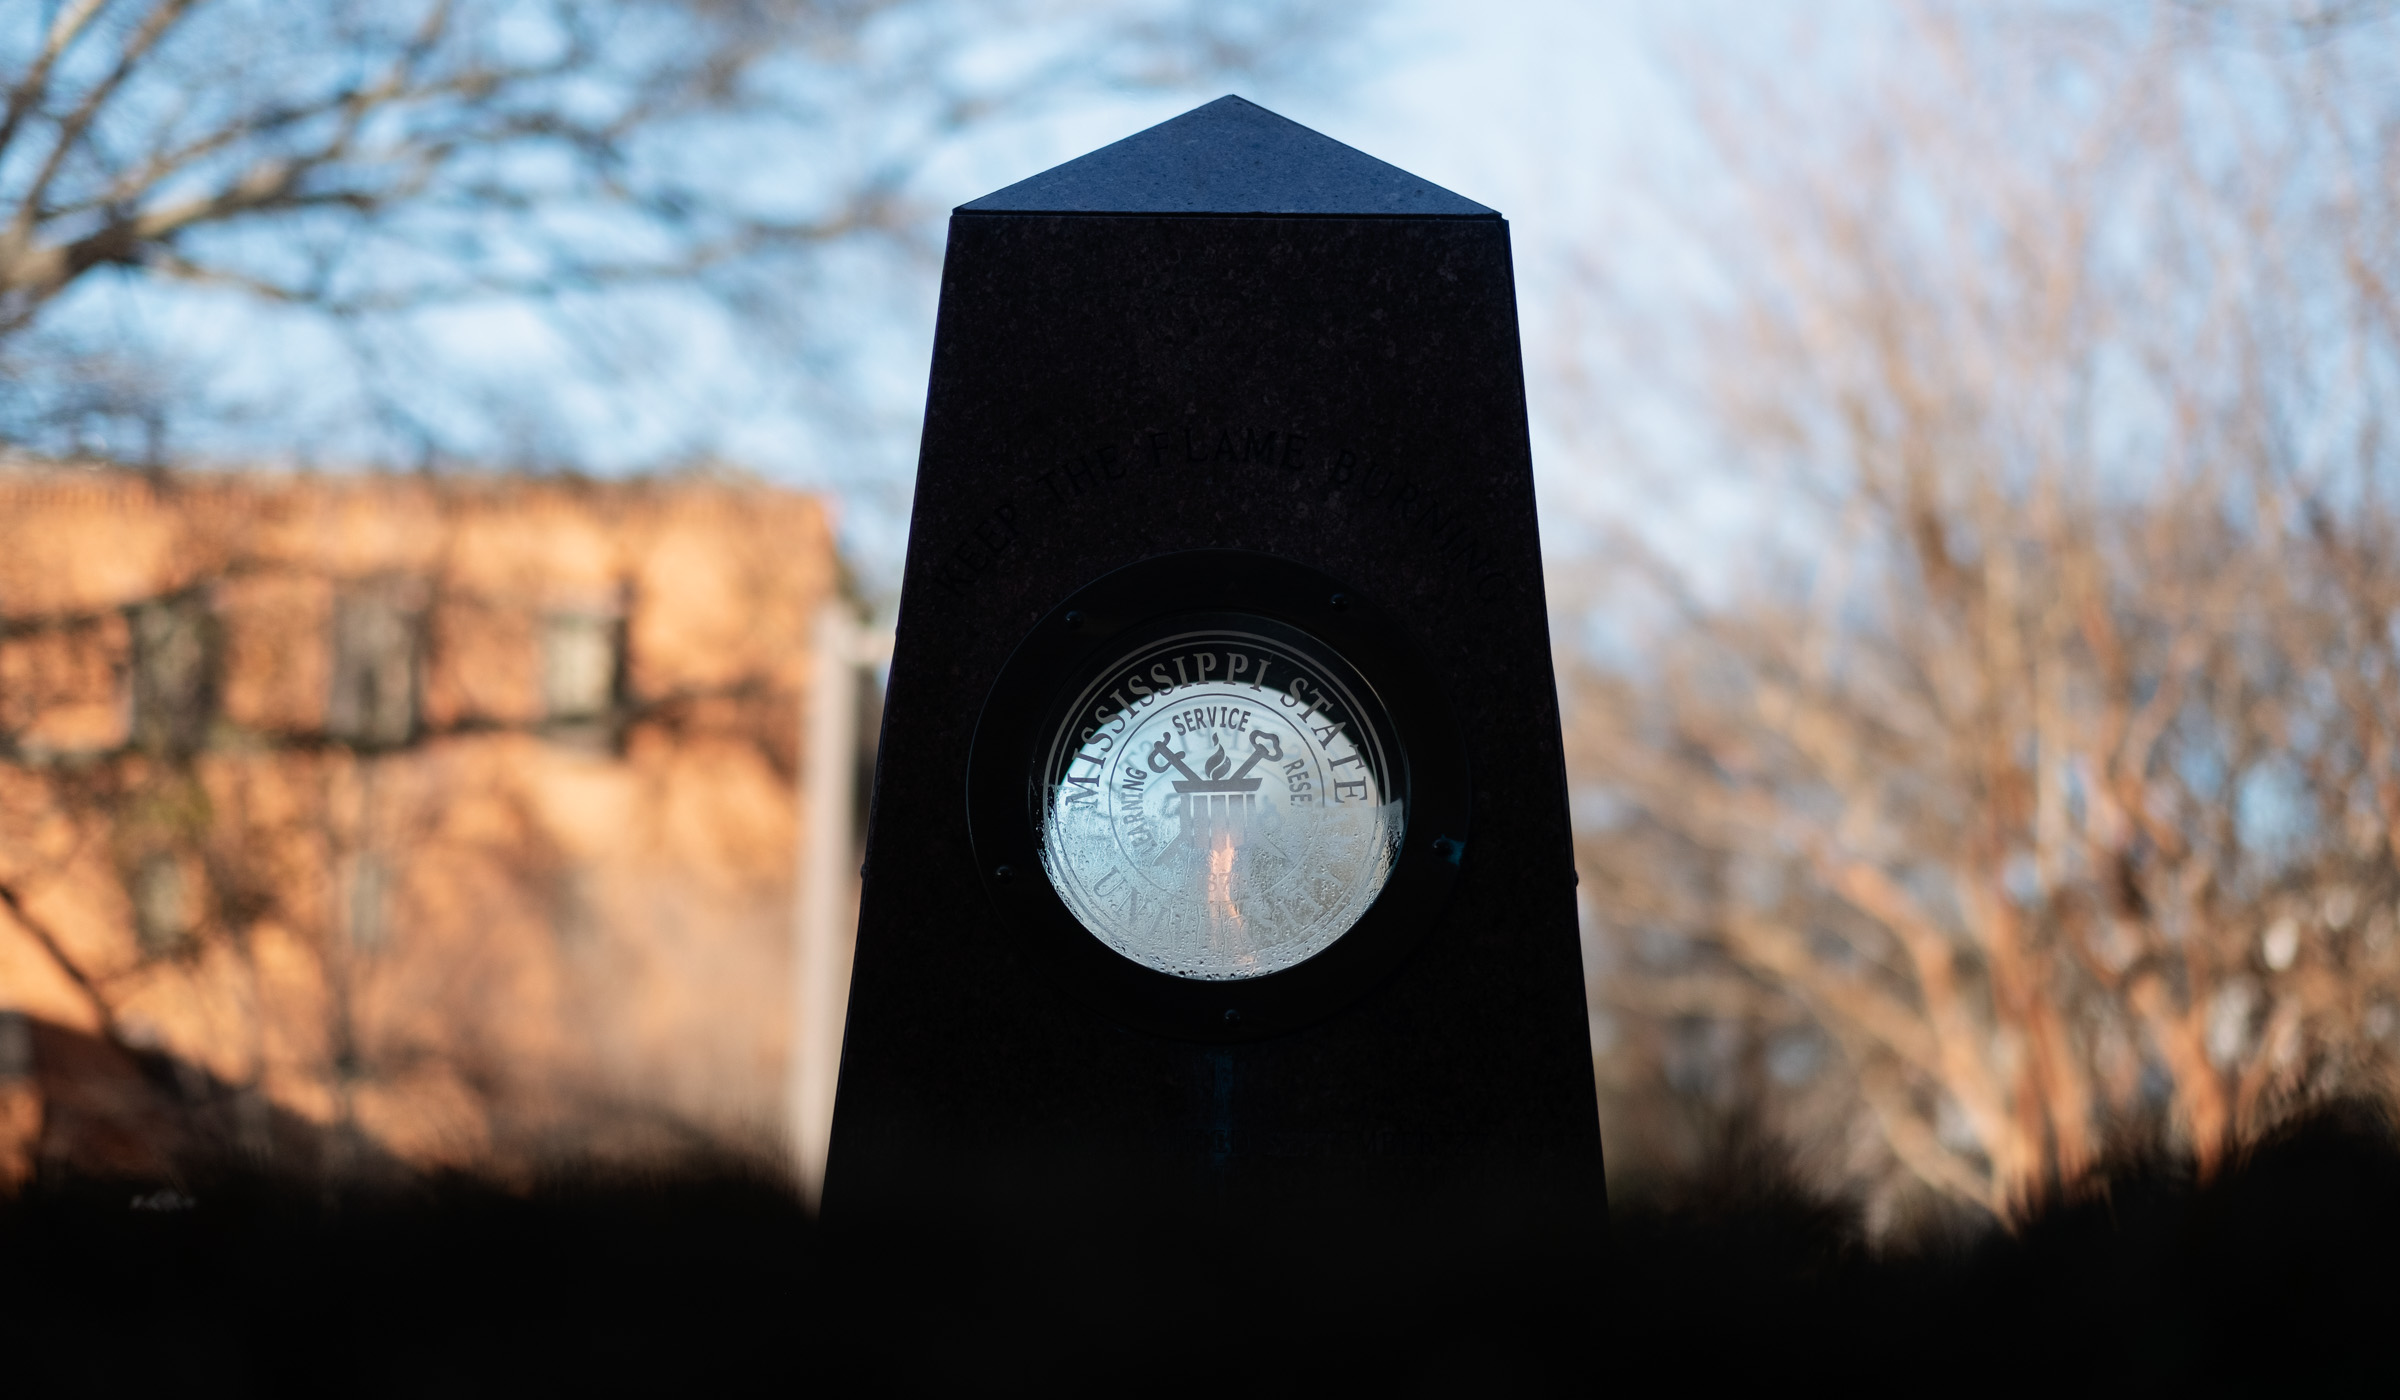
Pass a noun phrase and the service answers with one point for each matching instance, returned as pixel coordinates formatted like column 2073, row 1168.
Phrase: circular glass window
column 1218, row 803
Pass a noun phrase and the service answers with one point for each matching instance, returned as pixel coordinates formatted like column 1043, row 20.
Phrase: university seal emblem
column 1219, row 806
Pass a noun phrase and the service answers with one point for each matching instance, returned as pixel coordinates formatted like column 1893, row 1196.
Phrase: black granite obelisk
column 1227, row 332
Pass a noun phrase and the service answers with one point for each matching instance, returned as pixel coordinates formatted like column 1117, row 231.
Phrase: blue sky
column 1556, row 112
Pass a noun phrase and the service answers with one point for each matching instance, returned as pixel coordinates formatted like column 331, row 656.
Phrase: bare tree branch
column 363, row 160
column 2066, row 797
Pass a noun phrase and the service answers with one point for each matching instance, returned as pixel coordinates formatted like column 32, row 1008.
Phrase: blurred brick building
column 446, row 821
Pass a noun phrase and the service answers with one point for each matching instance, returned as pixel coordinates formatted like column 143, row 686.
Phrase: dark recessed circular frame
column 1425, row 754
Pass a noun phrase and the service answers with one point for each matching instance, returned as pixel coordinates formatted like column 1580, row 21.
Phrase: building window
column 16, row 1046
column 174, row 673
column 579, row 665
column 162, row 912
column 370, row 902
column 377, row 629
column 575, row 909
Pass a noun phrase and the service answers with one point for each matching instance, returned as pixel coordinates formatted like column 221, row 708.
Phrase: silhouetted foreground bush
column 2280, row 1275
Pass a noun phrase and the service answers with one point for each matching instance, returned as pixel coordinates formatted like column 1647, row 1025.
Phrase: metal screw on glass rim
column 1004, row 874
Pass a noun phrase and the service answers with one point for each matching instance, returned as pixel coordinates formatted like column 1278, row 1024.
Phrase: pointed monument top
column 1229, row 157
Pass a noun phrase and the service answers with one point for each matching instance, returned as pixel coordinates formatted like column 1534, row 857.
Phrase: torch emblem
column 1216, row 804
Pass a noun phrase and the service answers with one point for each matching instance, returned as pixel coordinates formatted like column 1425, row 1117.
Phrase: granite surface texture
column 1345, row 392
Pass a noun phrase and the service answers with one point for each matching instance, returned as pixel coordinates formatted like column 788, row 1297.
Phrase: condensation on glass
column 1217, row 806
